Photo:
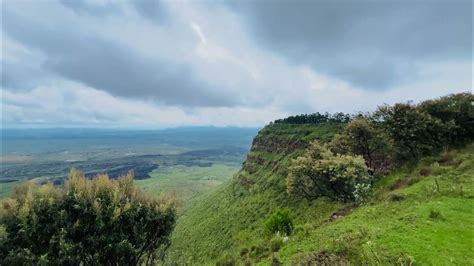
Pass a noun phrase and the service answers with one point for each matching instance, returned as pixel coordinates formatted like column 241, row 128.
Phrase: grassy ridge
column 232, row 217
column 421, row 213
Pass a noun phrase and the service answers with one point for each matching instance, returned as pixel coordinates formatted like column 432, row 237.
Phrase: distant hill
column 419, row 212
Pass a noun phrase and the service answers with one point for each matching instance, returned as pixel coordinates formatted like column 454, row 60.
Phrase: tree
column 455, row 110
column 362, row 138
column 99, row 221
column 315, row 118
column 319, row 172
column 415, row 133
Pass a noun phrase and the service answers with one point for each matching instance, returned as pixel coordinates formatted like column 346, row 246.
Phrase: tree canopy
column 92, row 222
column 390, row 136
column 315, row 118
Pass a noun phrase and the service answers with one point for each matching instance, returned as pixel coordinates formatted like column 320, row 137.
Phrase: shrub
column 99, row 221
column 319, row 172
column 456, row 109
column 362, row 138
column 361, row 193
column 415, row 133
column 279, row 222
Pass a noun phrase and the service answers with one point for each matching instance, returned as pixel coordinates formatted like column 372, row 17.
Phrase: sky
column 156, row 64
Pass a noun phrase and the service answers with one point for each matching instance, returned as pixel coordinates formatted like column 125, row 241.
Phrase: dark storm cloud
column 108, row 65
column 372, row 44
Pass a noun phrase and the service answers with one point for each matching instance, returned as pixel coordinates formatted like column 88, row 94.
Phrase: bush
column 361, row 193
column 279, row 222
column 455, row 109
column 99, row 221
column 415, row 133
column 319, row 172
column 362, row 138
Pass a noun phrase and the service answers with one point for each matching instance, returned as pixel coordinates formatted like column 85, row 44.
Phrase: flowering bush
column 319, row 172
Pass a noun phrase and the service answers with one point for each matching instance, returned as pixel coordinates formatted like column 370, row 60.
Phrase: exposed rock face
column 245, row 182
column 268, row 148
column 272, row 150
column 251, row 158
column 277, row 145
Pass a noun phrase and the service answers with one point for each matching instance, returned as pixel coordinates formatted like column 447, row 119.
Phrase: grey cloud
column 83, row 7
column 20, row 76
column 151, row 9
column 372, row 44
column 75, row 54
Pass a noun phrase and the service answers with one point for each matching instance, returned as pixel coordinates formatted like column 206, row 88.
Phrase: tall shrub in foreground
column 321, row 173
column 90, row 222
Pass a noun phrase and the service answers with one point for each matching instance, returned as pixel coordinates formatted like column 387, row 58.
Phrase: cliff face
column 431, row 200
column 232, row 216
column 274, row 147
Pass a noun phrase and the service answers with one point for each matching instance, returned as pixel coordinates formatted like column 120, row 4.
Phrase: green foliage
column 371, row 233
column 414, row 132
column 435, row 215
column 232, row 217
column 279, row 222
column 276, row 242
column 376, row 233
column 226, row 260
column 316, row 118
column 319, row 172
column 362, row 138
column 457, row 109
column 361, row 192
column 99, row 221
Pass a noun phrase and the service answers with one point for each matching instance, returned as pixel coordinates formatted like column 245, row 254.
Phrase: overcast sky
column 153, row 64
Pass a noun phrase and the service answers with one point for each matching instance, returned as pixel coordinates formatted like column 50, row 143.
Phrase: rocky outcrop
column 244, row 181
column 277, row 145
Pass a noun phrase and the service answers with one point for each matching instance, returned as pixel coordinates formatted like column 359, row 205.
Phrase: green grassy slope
column 231, row 217
column 187, row 182
column 432, row 224
column 422, row 213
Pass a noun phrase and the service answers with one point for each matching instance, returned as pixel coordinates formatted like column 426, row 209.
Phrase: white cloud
column 211, row 43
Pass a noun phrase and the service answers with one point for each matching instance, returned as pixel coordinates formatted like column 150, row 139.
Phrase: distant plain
column 187, row 161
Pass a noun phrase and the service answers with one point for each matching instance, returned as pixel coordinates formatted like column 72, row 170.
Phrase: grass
column 428, row 227
column 422, row 213
column 187, row 182
column 231, row 218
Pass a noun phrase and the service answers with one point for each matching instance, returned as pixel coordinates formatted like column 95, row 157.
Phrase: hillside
column 420, row 212
column 232, row 217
